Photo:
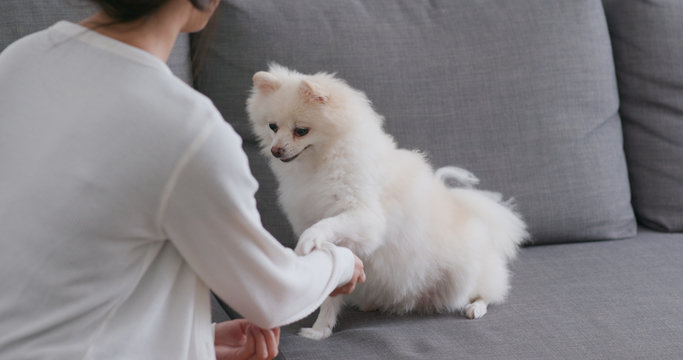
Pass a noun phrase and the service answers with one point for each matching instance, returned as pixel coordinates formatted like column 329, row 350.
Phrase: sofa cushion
column 571, row 301
column 22, row 17
column 521, row 93
column 648, row 52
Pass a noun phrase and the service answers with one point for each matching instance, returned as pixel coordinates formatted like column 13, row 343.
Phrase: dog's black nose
column 277, row 151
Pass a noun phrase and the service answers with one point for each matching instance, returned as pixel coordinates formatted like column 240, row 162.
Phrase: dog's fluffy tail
column 451, row 175
column 501, row 215
column 501, row 218
column 455, row 177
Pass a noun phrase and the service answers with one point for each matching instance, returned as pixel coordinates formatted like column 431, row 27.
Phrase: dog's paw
column 475, row 310
column 315, row 334
column 308, row 241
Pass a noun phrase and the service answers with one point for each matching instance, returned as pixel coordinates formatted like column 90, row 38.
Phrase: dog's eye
column 273, row 127
column 300, row 132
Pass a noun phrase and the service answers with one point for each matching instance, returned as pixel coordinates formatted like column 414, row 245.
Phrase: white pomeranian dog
column 426, row 247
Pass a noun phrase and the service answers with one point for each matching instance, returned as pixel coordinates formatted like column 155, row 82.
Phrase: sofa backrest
column 647, row 38
column 522, row 93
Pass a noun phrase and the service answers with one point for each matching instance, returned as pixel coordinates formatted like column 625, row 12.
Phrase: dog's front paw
column 308, row 241
column 315, row 334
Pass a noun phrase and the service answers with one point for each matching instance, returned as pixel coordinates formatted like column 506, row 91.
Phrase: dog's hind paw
column 476, row 309
column 315, row 334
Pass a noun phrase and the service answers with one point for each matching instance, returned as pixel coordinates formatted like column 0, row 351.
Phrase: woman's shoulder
column 178, row 94
column 183, row 104
column 163, row 98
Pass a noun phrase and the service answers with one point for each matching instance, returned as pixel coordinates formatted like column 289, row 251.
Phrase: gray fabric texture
column 218, row 313
column 22, row 17
column 521, row 93
column 648, row 53
column 591, row 300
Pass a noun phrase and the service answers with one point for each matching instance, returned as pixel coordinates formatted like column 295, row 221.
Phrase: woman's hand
column 241, row 340
column 358, row 277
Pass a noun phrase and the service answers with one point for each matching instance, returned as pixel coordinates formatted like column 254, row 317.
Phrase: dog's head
column 295, row 115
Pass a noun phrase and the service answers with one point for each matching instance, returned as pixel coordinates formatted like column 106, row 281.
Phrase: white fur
column 426, row 247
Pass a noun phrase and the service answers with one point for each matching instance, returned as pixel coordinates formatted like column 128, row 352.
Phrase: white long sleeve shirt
column 124, row 197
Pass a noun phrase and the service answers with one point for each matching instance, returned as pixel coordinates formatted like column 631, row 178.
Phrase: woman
column 124, row 197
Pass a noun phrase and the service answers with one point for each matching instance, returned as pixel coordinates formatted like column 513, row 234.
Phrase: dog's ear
column 266, row 82
column 313, row 92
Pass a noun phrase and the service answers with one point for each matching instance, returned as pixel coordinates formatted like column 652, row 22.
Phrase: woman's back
column 89, row 121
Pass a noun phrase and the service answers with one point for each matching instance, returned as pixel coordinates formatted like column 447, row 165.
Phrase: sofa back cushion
column 522, row 93
column 22, row 17
column 647, row 37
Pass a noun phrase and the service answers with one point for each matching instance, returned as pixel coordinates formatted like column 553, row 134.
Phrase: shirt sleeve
column 209, row 213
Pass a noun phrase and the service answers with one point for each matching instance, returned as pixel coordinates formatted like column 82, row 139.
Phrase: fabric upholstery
column 588, row 300
column 521, row 93
column 648, row 52
column 22, row 17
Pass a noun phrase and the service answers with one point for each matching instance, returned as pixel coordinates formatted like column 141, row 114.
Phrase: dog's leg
column 327, row 318
column 314, row 237
column 476, row 309
column 359, row 230
column 492, row 286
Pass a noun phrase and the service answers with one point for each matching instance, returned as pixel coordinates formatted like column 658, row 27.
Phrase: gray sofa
column 572, row 107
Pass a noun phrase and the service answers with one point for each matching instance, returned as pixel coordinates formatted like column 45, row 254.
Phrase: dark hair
column 122, row 11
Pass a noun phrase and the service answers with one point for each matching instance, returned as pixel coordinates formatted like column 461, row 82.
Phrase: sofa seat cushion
column 591, row 300
column 521, row 93
column 648, row 52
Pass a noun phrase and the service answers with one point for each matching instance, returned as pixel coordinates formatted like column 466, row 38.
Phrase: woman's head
column 127, row 11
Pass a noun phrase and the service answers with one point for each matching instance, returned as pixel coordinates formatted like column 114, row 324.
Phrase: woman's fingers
column 272, row 342
column 266, row 343
column 248, row 349
column 346, row 289
column 260, row 347
column 358, row 276
column 231, row 333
